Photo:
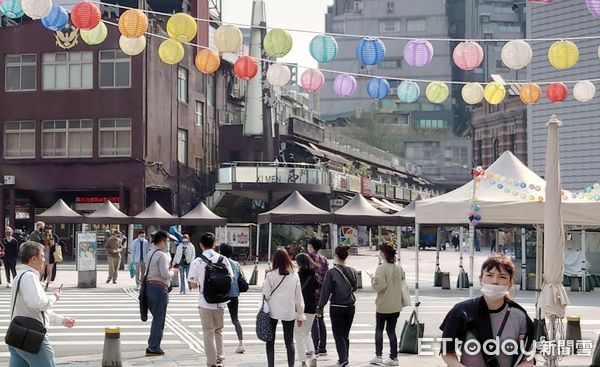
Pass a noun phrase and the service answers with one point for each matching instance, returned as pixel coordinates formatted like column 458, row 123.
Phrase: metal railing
column 273, row 172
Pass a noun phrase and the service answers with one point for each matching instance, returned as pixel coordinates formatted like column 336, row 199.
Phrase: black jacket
column 310, row 284
column 335, row 286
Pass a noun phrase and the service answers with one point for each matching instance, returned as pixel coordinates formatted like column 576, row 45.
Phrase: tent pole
column 416, row 264
column 539, row 262
column 583, row 264
column 437, row 248
column 471, row 277
column 461, row 269
column 269, row 243
column 370, row 238
column 398, row 242
column 254, row 278
column 523, row 260
column 257, row 243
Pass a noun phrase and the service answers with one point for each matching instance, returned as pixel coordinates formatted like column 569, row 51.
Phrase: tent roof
column 295, row 210
column 107, row 213
column 407, row 214
column 200, row 216
column 60, row 213
column 359, row 211
column 155, row 215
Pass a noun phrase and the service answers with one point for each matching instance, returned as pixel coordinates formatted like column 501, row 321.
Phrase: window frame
column 66, row 131
column 68, row 64
column 408, row 21
column 113, row 61
column 183, row 98
column 19, row 132
column 20, row 64
column 114, row 129
column 186, row 147
column 200, row 113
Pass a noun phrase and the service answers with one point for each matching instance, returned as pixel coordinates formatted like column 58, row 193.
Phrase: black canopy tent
column 107, row 213
column 359, row 211
column 60, row 213
column 155, row 215
column 202, row 216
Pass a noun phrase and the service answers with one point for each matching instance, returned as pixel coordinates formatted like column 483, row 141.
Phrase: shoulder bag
column 24, row 332
column 243, row 285
column 58, row 255
column 143, row 290
column 404, row 287
column 264, row 330
column 347, row 282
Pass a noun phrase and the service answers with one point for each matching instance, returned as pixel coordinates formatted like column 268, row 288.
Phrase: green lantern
column 277, row 43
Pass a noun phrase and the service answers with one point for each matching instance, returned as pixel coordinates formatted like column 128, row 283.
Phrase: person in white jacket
column 184, row 255
column 283, row 292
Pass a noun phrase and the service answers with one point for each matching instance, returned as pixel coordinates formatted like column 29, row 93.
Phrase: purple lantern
column 594, row 7
column 418, row 53
column 344, row 85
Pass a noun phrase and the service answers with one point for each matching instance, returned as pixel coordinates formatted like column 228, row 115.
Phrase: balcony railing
column 273, row 172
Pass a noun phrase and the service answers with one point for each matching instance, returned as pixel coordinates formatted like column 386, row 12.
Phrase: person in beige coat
column 114, row 248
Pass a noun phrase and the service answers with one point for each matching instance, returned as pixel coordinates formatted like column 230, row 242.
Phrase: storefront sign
column 97, row 199
column 353, row 183
column 367, row 186
column 234, row 236
column 390, row 191
column 86, row 251
column 306, row 130
column 379, row 189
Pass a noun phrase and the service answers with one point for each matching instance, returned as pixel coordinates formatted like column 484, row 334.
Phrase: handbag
column 58, row 255
column 264, row 330
column 405, row 290
column 25, row 333
column 131, row 270
column 243, row 285
column 142, row 297
column 411, row 332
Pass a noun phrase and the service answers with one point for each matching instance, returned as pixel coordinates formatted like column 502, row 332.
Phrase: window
column 199, row 113
column 390, row 7
column 479, row 152
column 67, row 70
column 456, row 157
column 339, row 27
column 19, row 139
column 115, row 69
column 182, row 84
column 433, row 124
column 66, row 138
column 424, row 154
column 509, row 29
column 403, row 119
column 496, row 145
column 114, row 139
column 492, row 108
column 503, row 9
column 512, row 143
column 358, row 6
column 210, row 90
column 415, row 25
column 20, row 73
column 390, row 64
column 389, row 26
column 182, row 139
column 197, row 164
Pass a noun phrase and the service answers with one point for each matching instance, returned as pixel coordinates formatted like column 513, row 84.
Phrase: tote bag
column 411, row 332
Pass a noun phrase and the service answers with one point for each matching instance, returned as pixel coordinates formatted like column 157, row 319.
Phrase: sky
column 289, row 14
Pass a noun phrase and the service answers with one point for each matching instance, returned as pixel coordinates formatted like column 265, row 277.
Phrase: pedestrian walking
column 184, row 255
column 233, row 304
column 309, row 285
column 339, row 285
column 489, row 323
column 37, row 234
column 318, row 331
column 114, row 248
column 158, row 280
column 49, row 242
column 211, row 272
column 10, row 248
column 139, row 252
column 32, row 307
column 283, row 293
column 387, row 282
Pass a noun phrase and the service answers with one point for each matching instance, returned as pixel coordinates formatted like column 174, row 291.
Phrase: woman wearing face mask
column 493, row 316
column 184, row 255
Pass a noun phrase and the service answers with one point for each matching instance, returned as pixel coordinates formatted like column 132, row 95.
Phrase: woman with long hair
column 234, row 294
column 309, row 283
column 48, row 241
column 283, row 293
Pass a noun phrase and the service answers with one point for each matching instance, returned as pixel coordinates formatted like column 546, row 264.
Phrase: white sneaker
column 390, row 362
column 376, row 360
column 240, row 349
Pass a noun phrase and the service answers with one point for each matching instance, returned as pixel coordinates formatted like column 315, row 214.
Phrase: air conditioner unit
column 390, row 7
column 358, row 6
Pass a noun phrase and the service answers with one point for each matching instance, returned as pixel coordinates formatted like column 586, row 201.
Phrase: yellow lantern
column 94, row 36
column 133, row 23
column 171, row 52
column 437, row 92
column 207, row 61
column 228, row 38
column 563, row 54
column 182, row 27
column 530, row 93
column 472, row 93
column 494, row 93
column 132, row 46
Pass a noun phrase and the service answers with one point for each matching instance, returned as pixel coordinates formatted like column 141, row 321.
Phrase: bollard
column 596, row 356
column 437, row 278
column 445, row 280
column 111, row 355
column 463, row 279
column 573, row 330
column 575, row 287
column 254, row 278
column 359, row 279
column 531, row 282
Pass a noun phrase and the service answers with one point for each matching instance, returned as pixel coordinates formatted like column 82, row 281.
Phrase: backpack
column 217, row 281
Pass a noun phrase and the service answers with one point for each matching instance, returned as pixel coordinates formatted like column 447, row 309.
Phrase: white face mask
column 494, row 292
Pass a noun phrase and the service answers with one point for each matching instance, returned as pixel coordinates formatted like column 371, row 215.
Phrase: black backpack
column 217, row 281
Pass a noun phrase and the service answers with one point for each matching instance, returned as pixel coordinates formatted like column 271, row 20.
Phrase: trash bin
column 446, row 280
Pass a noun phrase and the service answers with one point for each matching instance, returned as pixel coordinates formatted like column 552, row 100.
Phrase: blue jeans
column 43, row 358
column 158, row 299
column 183, row 273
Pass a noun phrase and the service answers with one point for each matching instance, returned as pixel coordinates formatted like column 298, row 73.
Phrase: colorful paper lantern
column 378, row 88
column 468, row 55
column 563, row 54
column 95, row 36
column 516, row 54
column 418, row 53
column 171, row 52
column 85, row 15
column 344, row 85
column 408, row 92
column 437, row 92
column 36, row 9
column 245, row 67
column 278, row 75
column 584, row 91
column 277, row 42
column 228, row 38
column 181, row 27
column 323, row 48
column 494, row 93
column 530, row 93
column 472, row 93
column 207, row 61
column 12, row 9
column 132, row 46
column 312, row 80
column 57, row 20
column 557, row 92
column 370, row 51
column 593, row 7
column 133, row 23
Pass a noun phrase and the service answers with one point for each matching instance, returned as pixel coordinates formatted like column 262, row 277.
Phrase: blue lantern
column 408, row 92
column 378, row 88
column 323, row 48
column 370, row 51
column 12, row 9
column 57, row 20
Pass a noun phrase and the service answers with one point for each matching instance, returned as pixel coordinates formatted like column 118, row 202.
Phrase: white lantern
column 472, row 93
column 36, row 9
column 228, row 38
column 584, row 91
column 132, row 46
column 516, row 54
column 278, row 75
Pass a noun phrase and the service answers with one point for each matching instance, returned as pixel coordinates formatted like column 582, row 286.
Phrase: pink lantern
column 312, row 80
column 468, row 55
column 418, row 53
column 344, row 85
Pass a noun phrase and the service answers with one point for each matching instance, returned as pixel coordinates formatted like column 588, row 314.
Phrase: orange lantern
column 207, row 61
column 85, row 15
column 557, row 92
column 530, row 93
column 133, row 23
column 245, row 67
